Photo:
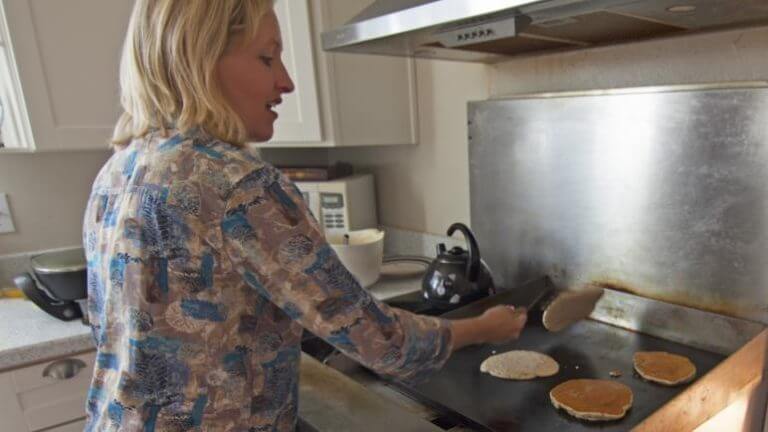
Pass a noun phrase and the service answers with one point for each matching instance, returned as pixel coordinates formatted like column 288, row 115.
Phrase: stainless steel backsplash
column 662, row 192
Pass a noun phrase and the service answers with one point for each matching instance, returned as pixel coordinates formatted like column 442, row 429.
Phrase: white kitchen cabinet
column 299, row 114
column 64, row 71
column 75, row 426
column 363, row 99
column 35, row 398
column 10, row 409
column 15, row 132
column 66, row 56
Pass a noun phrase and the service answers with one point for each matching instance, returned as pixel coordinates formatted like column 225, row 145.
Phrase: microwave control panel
column 341, row 205
column 332, row 205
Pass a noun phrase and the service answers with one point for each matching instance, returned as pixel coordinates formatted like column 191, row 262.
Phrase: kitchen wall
column 724, row 56
column 47, row 193
column 424, row 188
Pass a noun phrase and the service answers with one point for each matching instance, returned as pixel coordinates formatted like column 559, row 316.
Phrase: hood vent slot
column 603, row 28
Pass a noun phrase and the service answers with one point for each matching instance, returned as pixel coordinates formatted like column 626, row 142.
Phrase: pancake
column 593, row 400
column 570, row 307
column 520, row 365
column 664, row 368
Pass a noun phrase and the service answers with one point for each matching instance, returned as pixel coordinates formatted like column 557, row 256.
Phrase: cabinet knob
column 64, row 369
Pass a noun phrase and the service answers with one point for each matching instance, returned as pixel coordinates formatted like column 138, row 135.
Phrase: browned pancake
column 663, row 367
column 592, row 399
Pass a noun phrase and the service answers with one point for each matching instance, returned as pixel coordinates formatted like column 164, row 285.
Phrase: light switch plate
column 6, row 220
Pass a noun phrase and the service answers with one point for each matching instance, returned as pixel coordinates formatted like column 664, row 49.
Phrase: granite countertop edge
column 13, row 358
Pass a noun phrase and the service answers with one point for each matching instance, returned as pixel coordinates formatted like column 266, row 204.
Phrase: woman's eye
column 266, row 60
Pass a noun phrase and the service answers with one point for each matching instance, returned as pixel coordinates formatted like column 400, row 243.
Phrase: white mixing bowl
column 362, row 256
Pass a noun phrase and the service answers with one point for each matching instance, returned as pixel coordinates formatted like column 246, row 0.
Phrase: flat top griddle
column 588, row 349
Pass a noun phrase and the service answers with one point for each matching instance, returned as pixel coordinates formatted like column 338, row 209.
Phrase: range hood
column 493, row 30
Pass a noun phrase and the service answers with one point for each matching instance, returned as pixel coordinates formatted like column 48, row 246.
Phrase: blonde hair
column 168, row 66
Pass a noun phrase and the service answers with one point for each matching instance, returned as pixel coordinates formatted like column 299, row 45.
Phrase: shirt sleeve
column 276, row 245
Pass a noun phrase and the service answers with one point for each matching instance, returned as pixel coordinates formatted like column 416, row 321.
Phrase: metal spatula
column 556, row 309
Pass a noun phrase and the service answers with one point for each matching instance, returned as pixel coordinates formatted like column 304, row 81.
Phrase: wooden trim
column 741, row 414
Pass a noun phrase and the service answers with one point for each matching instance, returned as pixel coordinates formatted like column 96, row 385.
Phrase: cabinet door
column 11, row 414
column 376, row 96
column 67, row 57
column 15, row 132
column 46, row 399
column 76, row 426
column 299, row 117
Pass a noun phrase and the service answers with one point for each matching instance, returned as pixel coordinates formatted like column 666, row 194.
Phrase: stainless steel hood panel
column 660, row 193
column 492, row 30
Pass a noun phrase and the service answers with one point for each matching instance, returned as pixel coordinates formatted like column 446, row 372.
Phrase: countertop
column 29, row 335
column 390, row 287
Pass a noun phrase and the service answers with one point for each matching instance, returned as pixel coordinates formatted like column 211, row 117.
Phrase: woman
column 204, row 262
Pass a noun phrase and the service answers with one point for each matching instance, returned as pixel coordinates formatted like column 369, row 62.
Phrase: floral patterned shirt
column 204, row 266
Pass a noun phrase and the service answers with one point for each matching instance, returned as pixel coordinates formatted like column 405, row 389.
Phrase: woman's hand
column 498, row 324
column 504, row 323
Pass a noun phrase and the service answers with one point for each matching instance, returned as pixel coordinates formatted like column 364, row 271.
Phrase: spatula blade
column 569, row 307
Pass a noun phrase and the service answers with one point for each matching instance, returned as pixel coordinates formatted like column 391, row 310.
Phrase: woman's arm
column 497, row 325
column 275, row 243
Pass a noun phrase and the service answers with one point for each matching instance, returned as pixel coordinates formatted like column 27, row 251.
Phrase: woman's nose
column 284, row 81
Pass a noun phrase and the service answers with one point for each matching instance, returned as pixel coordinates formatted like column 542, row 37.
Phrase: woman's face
column 253, row 78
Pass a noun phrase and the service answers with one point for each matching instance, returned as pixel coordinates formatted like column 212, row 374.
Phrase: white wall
column 47, row 193
column 725, row 56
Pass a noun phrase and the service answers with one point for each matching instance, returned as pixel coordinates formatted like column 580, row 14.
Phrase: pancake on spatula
column 520, row 365
column 664, row 368
column 593, row 400
column 569, row 307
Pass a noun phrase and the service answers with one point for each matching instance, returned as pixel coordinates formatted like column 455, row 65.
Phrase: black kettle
column 457, row 276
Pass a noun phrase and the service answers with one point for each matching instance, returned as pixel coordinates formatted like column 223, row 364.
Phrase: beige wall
column 724, row 56
column 426, row 187
column 47, row 193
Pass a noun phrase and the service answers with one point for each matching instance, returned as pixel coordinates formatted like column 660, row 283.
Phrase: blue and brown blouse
column 204, row 266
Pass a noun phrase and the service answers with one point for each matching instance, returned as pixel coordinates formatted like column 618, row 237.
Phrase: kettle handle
column 473, row 264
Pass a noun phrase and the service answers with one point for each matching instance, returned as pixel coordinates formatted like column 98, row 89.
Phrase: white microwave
column 342, row 205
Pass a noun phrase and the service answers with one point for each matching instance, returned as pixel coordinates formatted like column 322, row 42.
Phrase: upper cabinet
column 299, row 114
column 59, row 78
column 363, row 99
column 65, row 55
column 15, row 132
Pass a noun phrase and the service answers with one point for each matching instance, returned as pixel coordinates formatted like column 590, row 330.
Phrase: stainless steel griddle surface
column 588, row 349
